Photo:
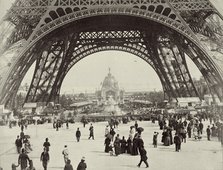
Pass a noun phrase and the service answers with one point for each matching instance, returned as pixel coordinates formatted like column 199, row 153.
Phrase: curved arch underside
column 163, row 47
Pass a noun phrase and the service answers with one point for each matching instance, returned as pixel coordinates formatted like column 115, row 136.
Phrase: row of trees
column 154, row 96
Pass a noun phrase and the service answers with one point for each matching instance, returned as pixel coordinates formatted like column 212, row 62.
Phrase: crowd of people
column 174, row 129
column 134, row 145
column 188, row 128
column 23, row 147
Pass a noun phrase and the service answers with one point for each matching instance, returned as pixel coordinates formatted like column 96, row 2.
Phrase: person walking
column 23, row 159
column 68, row 166
column 155, row 135
column 27, row 145
column 18, row 144
column 208, row 130
column 213, row 130
column 46, row 144
column 22, row 127
column 78, row 134
column 82, row 165
column 143, row 157
column 91, row 129
column 177, row 141
column 184, row 135
column 45, row 157
column 201, row 126
column 140, row 143
column 84, row 123
column 65, row 153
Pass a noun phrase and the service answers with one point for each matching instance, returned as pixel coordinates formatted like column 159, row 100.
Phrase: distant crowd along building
column 109, row 91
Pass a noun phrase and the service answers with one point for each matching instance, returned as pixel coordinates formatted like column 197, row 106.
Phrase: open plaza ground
column 196, row 155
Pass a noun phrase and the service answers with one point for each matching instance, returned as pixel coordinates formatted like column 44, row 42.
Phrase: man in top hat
column 208, row 130
column 91, row 129
column 46, row 144
column 82, row 165
column 23, row 159
column 78, row 134
column 18, row 144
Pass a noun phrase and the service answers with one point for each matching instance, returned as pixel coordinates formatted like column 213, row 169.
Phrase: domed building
column 110, row 91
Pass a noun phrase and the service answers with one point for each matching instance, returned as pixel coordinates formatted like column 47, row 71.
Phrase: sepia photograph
column 111, row 84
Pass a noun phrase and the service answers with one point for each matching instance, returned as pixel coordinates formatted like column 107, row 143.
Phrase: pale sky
column 132, row 73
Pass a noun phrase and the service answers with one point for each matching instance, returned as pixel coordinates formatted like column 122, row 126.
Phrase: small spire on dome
column 109, row 71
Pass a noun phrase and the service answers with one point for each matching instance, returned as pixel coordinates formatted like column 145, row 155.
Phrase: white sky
column 132, row 73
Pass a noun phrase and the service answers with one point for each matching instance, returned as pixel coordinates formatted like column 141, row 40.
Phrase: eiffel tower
column 56, row 34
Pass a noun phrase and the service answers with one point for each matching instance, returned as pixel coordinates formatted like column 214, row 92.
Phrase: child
column 155, row 139
column 14, row 166
column 111, row 151
column 31, row 166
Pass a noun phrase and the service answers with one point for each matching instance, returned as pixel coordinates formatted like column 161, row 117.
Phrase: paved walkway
column 197, row 155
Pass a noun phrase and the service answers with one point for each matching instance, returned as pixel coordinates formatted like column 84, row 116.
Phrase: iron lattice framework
column 56, row 34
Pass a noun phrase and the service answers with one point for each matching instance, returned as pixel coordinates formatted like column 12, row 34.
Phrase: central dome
column 110, row 82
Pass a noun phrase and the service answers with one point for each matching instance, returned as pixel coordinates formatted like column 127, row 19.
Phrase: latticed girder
column 44, row 15
column 191, row 5
column 46, row 71
column 47, row 80
column 37, row 13
column 206, row 23
column 18, row 72
column 176, row 63
column 76, row 48
column 167, row 57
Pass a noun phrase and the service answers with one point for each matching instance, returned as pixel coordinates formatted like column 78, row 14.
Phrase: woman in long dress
column 129, row 146
column 123, row 145
column 135, row 145
column 107, row 143
column 117, row 145
column 132, row 132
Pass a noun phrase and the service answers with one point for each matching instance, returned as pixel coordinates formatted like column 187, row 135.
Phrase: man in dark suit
column 177, row 141
column 143, row 157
